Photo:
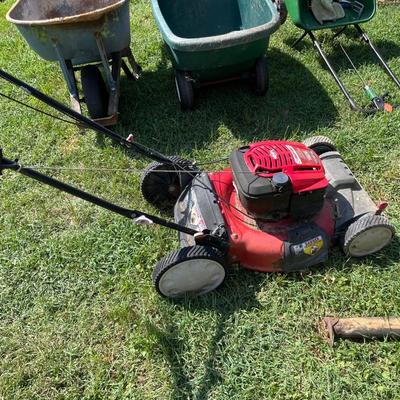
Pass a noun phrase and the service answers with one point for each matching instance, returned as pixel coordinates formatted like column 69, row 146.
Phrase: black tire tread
column 183, row 254
column 320, row 142
column 95, row 91
column 362, row 225
column 261, row 84
column 182, row 163
column 186, row 91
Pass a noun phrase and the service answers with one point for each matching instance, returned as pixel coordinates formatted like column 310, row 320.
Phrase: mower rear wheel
column 95, row 91
column 367, row 235
column 184, row 90
column 194, row 270
column 261, row 77
column 320, row 144
column 161, row 183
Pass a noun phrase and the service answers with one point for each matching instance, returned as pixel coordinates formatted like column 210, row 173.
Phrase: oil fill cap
column 280, row 180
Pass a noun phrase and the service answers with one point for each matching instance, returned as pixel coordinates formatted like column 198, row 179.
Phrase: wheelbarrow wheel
column 320, row 144
column 194, row 270
column 184, row 89
column 261, row 77
column 368, row 235
column 162, row 183
column 95, row 91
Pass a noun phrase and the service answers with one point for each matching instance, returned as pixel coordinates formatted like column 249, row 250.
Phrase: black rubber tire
column 320, row 144
column 162, row 189
column 95, row 91
column 261, row 77
column 182, row 255
column 184, row 90
column 282, row 10
column 361, row 226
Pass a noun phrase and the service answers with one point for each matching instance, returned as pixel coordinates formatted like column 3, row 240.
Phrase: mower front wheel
column 367, row 235
column 194, row 271
column 320, row 144
column 162, row 183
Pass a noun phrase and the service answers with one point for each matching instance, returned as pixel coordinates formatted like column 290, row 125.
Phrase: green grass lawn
column 79, row 318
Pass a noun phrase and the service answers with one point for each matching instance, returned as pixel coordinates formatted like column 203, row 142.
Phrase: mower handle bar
column 125, row 212
column 139, row 148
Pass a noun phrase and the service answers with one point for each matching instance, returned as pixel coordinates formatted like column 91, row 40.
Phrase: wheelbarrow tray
column 302, row 16
column 214, row 39
column 70, row 27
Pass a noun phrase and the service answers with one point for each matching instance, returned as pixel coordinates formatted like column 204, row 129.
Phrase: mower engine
column 282, row 205
column 275, row 180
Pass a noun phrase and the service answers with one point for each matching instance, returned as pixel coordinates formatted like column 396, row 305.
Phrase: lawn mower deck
column 300, row 200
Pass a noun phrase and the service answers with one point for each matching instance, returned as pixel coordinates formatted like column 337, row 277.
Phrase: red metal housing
column 259, row 245
column 296, row 160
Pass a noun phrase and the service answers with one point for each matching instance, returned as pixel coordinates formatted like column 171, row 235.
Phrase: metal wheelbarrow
column 82, row 36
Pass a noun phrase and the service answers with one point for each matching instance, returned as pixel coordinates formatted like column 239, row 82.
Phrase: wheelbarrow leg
column 104, row 61
column 339, row 32
column 127, row 71
column 386, row 67
column 112, row 83
column 298, row 40
column 116, row 75
column 69, row 76
column 317, row 45
column 136, row 68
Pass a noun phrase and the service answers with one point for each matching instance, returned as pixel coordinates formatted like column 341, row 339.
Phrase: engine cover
column 276, row 179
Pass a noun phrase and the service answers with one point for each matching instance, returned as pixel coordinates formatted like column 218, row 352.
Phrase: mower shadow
column 295, row 102
column 224, row 304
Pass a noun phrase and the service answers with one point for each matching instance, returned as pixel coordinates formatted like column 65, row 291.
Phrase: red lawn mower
column 279, row 207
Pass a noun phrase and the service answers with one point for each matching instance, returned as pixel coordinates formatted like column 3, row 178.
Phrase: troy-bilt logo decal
column 310, row 247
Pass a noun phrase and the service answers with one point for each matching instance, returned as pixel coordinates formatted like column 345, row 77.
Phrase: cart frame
column 78, row 38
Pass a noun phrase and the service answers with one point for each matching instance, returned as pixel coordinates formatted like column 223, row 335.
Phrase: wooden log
column 358, row 328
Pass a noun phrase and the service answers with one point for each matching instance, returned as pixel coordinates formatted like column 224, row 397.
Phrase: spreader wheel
column 184, row 89
column 367, row 235
column 95, row 91
column 162, row 183
column 320, row 144
column 261, row 77
column 194, row 270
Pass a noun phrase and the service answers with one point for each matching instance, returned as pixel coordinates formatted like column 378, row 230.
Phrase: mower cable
column 77, row 123
column 83, row 169
column 213, row 161
column 38, row 110
column 193, row 173
column 195, row 177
